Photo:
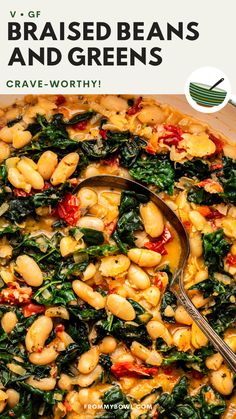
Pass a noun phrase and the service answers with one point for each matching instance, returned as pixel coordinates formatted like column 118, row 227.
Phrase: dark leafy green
column 215, row 248
column 155, row 170
column 201, row 197
column 92, row 237
column 116, row 404
column 192, row 168
column 124, row 331
column 178, row 404
column 129, row 219
column 142, row 316
column 131, row 150
column 100, row 149
column 228, row 180
column 168, row 298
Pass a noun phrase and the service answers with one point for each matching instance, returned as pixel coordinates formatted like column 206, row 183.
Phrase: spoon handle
column 216, row 84
column 227, row 353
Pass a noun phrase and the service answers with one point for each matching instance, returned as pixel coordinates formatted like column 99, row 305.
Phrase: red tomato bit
column 209, row 213
column 31, row 309
column 59, row 328
column 68, row 209
column 218, row 143
column 231, row 260
column 60, row 100
column 129, row 369
column 67, row 406
column 103, row 134
column 150, row 149
column 174, row 135
column 136, row 107
column 81, row 126
column 157, row 245
column 14, row 294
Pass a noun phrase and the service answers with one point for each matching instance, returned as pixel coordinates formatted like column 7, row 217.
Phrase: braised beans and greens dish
column 89, row 325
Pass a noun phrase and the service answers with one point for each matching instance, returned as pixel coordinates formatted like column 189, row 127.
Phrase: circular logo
column 208, row 89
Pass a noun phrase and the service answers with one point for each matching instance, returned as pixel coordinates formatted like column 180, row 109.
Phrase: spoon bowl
column 177, row 285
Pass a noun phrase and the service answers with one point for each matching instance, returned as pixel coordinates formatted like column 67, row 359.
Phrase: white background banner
column 215, row 45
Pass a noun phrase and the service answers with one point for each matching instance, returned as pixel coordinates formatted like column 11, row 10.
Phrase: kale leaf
column 100, row 149
column 201, row 197
column 168, row 298
column 228, row 180
column 215, row 248
column 129, row 219
column 131, row 150
column 192, row 168
column 116, row 404
column 155, row 170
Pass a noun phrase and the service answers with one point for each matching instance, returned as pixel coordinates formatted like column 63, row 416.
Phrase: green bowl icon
column 203, row 96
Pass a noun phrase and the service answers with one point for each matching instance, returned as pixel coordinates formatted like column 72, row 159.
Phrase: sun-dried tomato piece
column 60, row 100
column 231, row 260
column 81, row 126
column 129, row 369
column 68, row 209
column 31, row 309
column 14, row 294
column 157, row 245
column 136, row 107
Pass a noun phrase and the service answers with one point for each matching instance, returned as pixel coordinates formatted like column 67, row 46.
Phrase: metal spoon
column 177, row 286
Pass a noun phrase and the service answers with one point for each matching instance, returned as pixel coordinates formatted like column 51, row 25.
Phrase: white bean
column 152, row 295
column 29, row 270
column 13, row 397
column 213, row 362
column 152, row 219
column 65, row 382
column 120, row 307
column 21, row 138
column 18, row 180
column 46, row 356
column 91, row 222
column 86, row 293
column 138, row 277
column 6, row 134
column 4, row 151
column 140, row 351
column 87, row 197
column 182, row 338
column 9, row 321
column 144, row 258
column 85, row 380
column 88, row 361
column 67, row 246
column 182, row 316
column 114, row 265
column 65, row 169
column 57, row 311
column 38, row 333
column 45, row 384
column 196, row 247
column 114, row 103
column 108, row 345
column 89, row 272
column 222, row 380
column 197, row 220
column 47, row 163
column 198, row 339
column 151, row 114
column 156, row 330
column 31, row 175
